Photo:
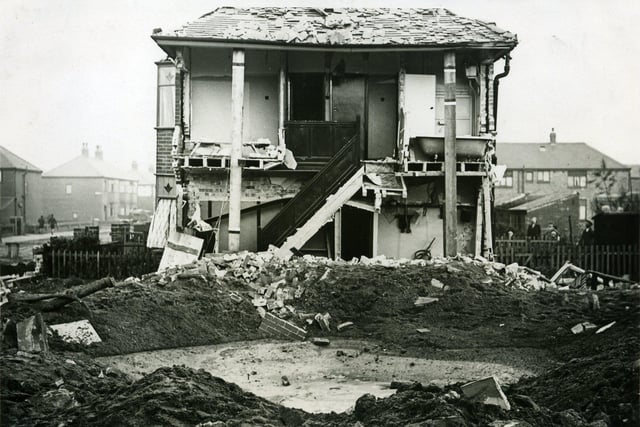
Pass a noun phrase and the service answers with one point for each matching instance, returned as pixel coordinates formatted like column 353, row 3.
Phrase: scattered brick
column 280, row 328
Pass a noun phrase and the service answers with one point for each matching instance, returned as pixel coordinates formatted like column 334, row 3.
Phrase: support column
column 337, row 234
column 282, row 98
column 235, row 175
column 450, row 187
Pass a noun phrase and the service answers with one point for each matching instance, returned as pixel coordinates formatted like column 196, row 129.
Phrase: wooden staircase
column 316, row 202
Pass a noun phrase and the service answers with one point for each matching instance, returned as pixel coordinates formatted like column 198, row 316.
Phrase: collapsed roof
column 362, row 27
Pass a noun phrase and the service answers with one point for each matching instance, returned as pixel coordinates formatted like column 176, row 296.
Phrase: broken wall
column 255, row 187
column 211, row 95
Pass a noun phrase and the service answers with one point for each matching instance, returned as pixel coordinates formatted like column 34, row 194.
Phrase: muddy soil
column 322, row 379
column 579, row 378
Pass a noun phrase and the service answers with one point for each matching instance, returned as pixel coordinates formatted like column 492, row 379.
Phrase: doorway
column 348, row 96
column 357, row 229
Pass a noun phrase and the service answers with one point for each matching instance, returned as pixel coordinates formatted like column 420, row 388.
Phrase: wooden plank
column 337, row 233
column 322, row 216
column 181, row 249
column 374, row 243
column 488, row 236
column 478, row 240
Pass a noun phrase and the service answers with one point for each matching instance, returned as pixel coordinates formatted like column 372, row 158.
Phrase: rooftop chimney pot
column 98, row 152
column 552, row 136
column 85, row 149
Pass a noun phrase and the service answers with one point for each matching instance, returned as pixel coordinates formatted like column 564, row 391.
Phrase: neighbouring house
column 146, row 187
column 346, row 132
column 557, row 168
column 635, row 179
column 88, row 189
column 20, row 194
column 562, row 209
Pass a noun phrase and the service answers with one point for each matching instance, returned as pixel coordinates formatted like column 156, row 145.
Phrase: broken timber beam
column 61, row 299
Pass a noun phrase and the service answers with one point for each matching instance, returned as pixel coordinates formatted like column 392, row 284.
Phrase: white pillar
column 235, row 176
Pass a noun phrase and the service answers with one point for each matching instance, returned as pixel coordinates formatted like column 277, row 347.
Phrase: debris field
column 584, row 354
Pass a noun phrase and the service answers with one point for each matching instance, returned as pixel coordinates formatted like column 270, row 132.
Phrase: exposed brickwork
column 163, row 151
column 277, row 327
column 254, row 187
column 178, row 99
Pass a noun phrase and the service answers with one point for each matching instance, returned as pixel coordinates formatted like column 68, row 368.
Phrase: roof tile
column 349, row 26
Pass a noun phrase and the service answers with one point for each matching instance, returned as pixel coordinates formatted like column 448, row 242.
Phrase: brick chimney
column 552, row 136
column 85, row 149
column 134, row 165
column 98, row 152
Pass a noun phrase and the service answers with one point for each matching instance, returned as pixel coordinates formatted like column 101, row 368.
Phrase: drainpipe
column 496, row 84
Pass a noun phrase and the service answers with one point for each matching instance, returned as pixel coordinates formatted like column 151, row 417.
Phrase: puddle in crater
column 322, row 379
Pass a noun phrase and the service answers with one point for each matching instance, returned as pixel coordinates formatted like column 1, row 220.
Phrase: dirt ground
column 583, row 379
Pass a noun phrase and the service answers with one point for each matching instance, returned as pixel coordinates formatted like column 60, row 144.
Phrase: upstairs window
column 543, row 176
column 577, row 179
column 507, row 180
column 68, row 188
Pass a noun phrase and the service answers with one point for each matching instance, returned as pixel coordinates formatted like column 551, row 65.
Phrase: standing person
column 533, row 231
column 588, row 236
column 52, row 222
column 41, row 222
column 554, row 234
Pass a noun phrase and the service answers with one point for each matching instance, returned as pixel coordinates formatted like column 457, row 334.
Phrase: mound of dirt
column 476, row 317
column 179, row 396
column 35, row 389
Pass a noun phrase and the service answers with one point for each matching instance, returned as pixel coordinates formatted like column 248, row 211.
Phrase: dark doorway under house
column 357, row 240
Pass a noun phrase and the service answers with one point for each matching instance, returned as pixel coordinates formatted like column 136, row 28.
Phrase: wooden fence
column 97, row 264
column 548, row 256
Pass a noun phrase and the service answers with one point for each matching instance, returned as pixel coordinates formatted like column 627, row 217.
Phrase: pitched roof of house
column 530, row 202
column 88, row 167
column 565, row 155
column 8, row 160
column 337, row 26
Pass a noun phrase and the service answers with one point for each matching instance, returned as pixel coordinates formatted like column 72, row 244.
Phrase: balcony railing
column 317, row 141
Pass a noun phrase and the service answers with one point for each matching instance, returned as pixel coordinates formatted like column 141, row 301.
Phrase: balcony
column 313, row 143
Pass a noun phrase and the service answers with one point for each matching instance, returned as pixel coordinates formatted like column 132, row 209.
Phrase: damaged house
column 342, row 132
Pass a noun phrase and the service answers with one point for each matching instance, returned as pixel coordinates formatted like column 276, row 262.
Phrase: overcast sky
column 78, row 71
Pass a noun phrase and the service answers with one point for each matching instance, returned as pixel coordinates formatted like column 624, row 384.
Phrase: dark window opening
column 307, row 96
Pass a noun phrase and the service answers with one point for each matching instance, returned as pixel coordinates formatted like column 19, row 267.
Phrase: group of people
column 534, row 232
column 51, row 220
